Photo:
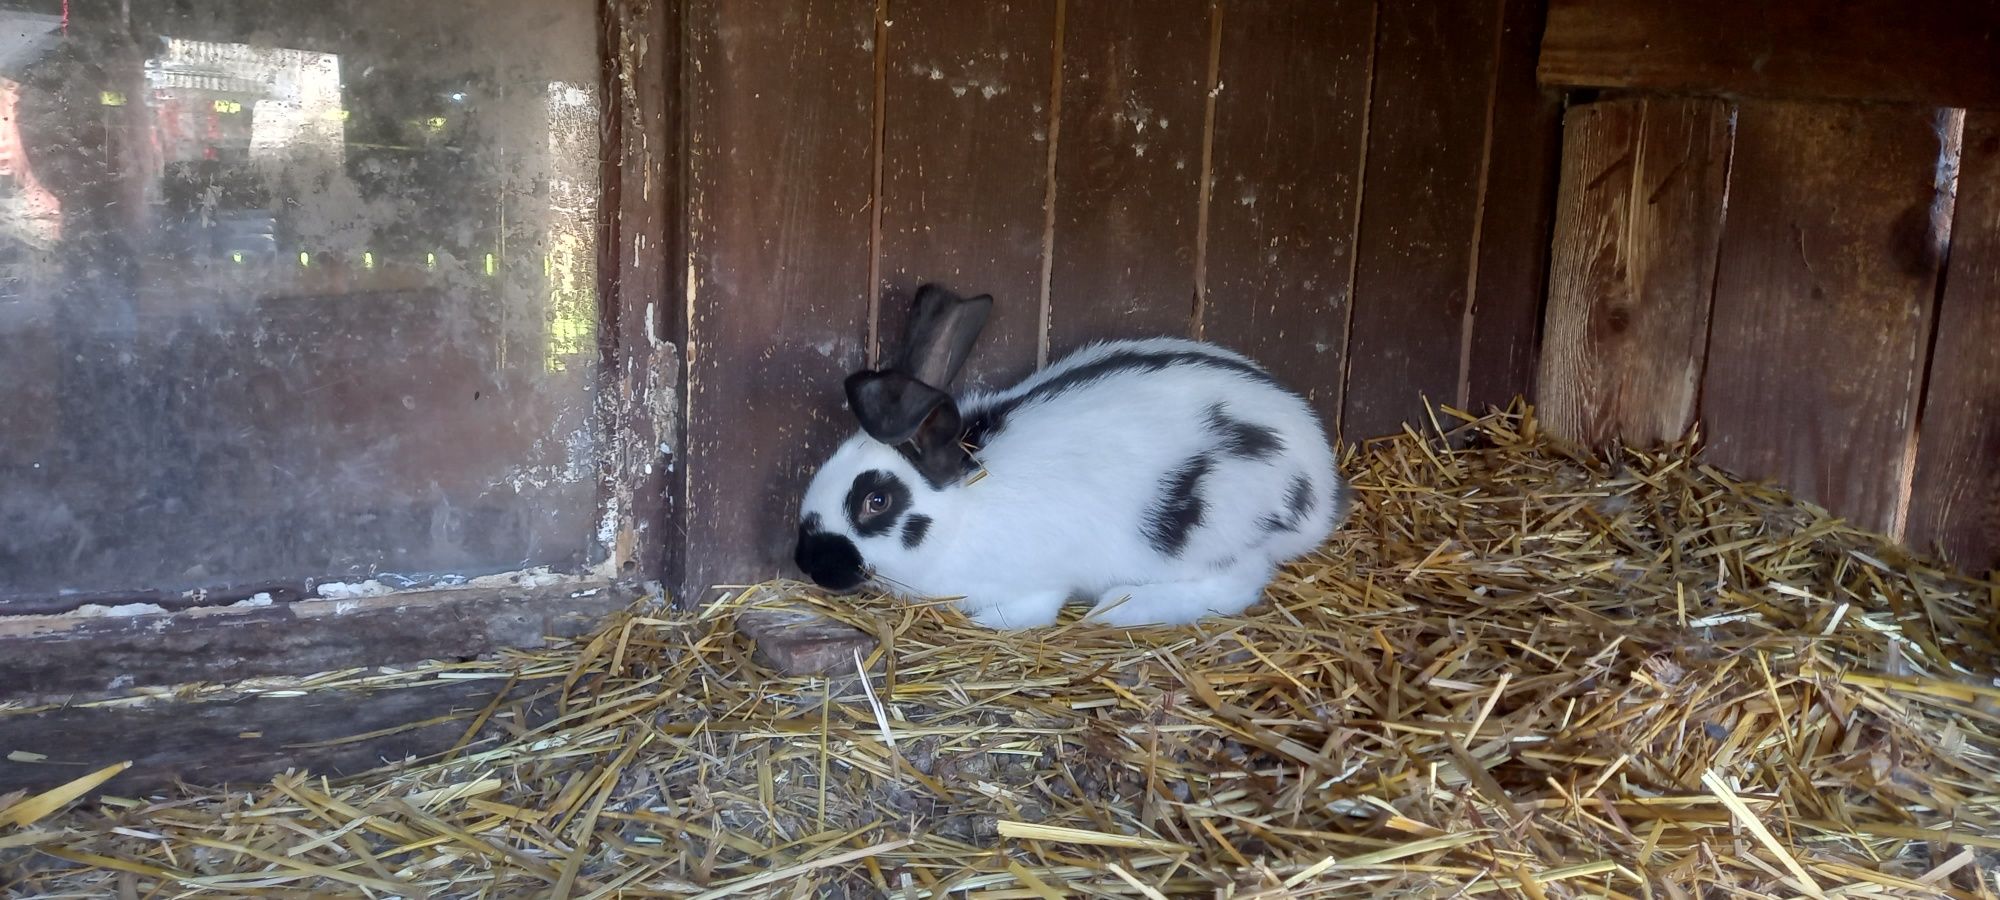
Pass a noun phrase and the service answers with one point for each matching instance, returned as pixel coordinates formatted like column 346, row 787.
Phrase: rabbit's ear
column 903, row 412
column 943, row 327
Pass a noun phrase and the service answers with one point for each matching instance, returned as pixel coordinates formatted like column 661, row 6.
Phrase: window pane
column 294, row 289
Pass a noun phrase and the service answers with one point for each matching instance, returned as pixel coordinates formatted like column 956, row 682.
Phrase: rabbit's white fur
column 1076, row 484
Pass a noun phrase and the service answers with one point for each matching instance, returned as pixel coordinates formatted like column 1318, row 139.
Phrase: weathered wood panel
column 1955, row 501
column 965, row 169
column 44, row 656
column 643, row 327
column 1285, row 187
column 1638, row 223
column 781, row 124
column 1517, row 213
column 1427, row 128
column 1823, row 298
column 1936, row 52
column 241, row 741
column 1128, row 169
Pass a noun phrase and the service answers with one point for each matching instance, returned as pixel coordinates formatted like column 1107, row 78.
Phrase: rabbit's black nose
column 830, row 560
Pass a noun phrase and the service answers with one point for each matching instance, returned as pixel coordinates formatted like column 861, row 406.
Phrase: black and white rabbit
column 1164, row 479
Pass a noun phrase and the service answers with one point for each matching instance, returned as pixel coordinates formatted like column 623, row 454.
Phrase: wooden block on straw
column 800, row 642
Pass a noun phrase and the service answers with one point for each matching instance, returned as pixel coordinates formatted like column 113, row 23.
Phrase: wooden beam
column 41, row 656
column 1934, row 52
column 780, row 122
column 1955, row 505
column 1129, row 167
column 1517, row 212
column 1285, row 188
column 1427, row 128
column 965, row 170
column 1637, row 228
column 243, row 740
column 643, row 322
column 1128, row 170
column 1823, row 300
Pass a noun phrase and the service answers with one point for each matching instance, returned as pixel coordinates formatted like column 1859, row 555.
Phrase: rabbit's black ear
column 943, row 327
column 892, row 406
column 916, row 418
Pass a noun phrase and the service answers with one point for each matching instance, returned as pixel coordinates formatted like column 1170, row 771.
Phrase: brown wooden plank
column 41, row 656
column 1419, row 210
column 1935, row 52
column 1955, row 502
column 965, row 169
column 1284, row 183
column 643, row 328
column 1823, row 300
column 1517, row 216
column 1128, row 170
column 781, row 128
column 1634, row 269
column 246, row 740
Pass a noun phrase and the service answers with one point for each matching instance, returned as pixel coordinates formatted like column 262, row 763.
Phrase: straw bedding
column 1517, row 671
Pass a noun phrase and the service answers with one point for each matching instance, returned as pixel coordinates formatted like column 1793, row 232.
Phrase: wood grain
column 247, row 740
column 1637, row 228
column 1128, row 170
column 965, row 171
column 781, row 126
column 1955, row 500
column 1420, row 205
column 42, row 656
column 642, row 327
column 1517, row 215
column 1285, row 187
column 1935, row 52
column 1823, row 300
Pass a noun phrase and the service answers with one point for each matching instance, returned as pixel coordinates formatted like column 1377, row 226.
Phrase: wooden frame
column 637, row 416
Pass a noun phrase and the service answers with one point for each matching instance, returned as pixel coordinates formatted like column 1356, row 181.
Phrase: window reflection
column 293, row 290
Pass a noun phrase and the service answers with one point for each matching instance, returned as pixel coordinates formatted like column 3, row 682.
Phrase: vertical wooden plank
column 1128, row 169
column 1284, row 187
column 780, row 118
column 1955, row 502
column 965, row 171
column 1634, row 267
column 1823, row 299
column 1516, row 217
column 1419, row 208
column 640, row 333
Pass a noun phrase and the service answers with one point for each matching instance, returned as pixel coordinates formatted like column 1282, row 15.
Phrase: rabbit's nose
column 830, row 560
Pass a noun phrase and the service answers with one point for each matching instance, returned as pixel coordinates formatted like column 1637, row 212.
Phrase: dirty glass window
column 292, row 290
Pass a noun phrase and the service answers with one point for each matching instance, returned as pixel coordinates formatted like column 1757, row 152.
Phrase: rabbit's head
column 876, row 499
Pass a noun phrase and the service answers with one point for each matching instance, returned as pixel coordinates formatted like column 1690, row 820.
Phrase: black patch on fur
column 1242, row 439
column 1179, row 509
column 914, row 529
column 830, row 560
column 1298, row 502
column 983, row 422
column 869, row 483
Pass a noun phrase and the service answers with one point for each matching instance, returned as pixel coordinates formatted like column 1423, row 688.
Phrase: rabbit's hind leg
column 1224, row 593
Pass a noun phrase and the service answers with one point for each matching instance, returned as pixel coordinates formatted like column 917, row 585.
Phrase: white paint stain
column 121, row 611
column 349, row 590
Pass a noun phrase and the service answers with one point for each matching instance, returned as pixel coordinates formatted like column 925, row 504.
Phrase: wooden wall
column 1797, row 254
column 1357, row 193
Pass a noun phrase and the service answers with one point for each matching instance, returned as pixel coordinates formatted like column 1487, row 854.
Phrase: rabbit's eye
column 876, row 502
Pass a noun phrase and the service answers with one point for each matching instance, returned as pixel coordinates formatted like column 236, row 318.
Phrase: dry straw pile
column 1518, row 671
